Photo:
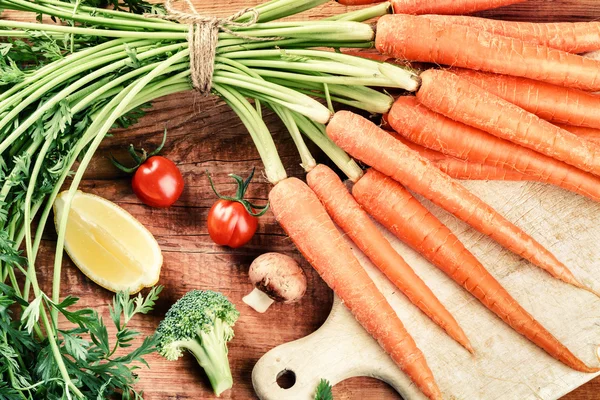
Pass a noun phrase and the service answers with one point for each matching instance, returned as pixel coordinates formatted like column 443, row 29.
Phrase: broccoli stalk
column 210, row 350
column 201, row 322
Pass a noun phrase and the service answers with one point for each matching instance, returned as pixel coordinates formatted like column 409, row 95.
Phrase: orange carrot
column 463, row 169
column 395, row 208
column 594, row 55
column 468, row 171
column 418, row 38
column 346, row 213
column 572, row 37
column 447, row 6
column 385, row 124
column 550, row 102
column 365, row 141
column 460, row 100
column 591, row 134
column 302, row 216
column 420, row 125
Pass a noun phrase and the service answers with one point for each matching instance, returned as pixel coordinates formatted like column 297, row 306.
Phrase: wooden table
column 205, row 135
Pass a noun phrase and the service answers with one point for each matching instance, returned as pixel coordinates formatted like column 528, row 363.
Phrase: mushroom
column 276, row 277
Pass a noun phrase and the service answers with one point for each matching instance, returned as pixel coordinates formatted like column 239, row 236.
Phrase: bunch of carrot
column 516, row 105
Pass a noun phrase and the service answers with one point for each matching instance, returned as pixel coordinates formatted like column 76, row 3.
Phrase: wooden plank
column 203, row 134
column 548, row 11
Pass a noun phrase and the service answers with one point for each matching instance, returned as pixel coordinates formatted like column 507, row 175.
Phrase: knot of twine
column 203, row 36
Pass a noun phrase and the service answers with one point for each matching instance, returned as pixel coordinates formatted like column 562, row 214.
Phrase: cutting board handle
column 340, row 349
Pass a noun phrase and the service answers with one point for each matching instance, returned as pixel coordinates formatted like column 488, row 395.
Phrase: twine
column 203, row 36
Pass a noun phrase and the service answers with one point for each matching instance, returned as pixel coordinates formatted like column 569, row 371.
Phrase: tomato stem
column 133, row 153
column 139, row 158
column 160, row 146
column 242, row 187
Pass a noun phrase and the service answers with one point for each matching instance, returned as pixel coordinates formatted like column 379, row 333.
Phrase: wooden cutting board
column 506, row 366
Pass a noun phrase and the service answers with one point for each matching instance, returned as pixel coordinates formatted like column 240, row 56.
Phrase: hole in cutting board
column 286, row 379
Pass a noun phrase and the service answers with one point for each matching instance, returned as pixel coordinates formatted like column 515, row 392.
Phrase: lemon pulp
column 108, row 244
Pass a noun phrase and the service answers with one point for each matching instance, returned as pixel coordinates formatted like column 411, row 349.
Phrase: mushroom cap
column 279, row 276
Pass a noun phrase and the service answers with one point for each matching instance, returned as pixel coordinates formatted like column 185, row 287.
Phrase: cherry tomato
column 232, row 220
column 230, row 224
column 157, row 182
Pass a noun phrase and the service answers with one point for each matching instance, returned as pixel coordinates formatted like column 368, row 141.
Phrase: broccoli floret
column 201, row 322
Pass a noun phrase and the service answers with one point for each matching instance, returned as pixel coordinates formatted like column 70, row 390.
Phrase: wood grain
column 205, row 135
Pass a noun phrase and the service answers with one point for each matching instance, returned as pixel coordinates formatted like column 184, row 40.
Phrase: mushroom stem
column 258, row 300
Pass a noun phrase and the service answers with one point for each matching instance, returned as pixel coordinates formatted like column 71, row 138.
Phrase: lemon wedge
column 108, row 244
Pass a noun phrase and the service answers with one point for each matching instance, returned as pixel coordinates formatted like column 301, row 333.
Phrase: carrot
column 572, row 37
column 590, row 134
column 349, row 216
column 460, row 100
column 396, row 209
column 468, row 171
column 385, row 124
column 365, row 141
column 420, row 125
column 463, row 169
column 418, row 38
column 550, row 102
column 447, row 6
column 302, row 216
column 594, row 55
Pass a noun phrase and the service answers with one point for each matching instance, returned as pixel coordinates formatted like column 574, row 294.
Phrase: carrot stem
column 371, row 76
column 308, row 162
column 363, row 14
column 258, row 131
column 361, row 97
column 316, row 133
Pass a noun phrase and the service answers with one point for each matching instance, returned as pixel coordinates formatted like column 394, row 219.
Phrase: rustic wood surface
column 205, row 135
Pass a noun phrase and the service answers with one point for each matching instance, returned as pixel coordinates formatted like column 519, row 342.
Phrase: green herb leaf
column 9, row 393
column 75, row 345
column 102, row 389
column 10, row 73
column 31, row 314
column 99, row 335
column 123, row 304
column 324, row 390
